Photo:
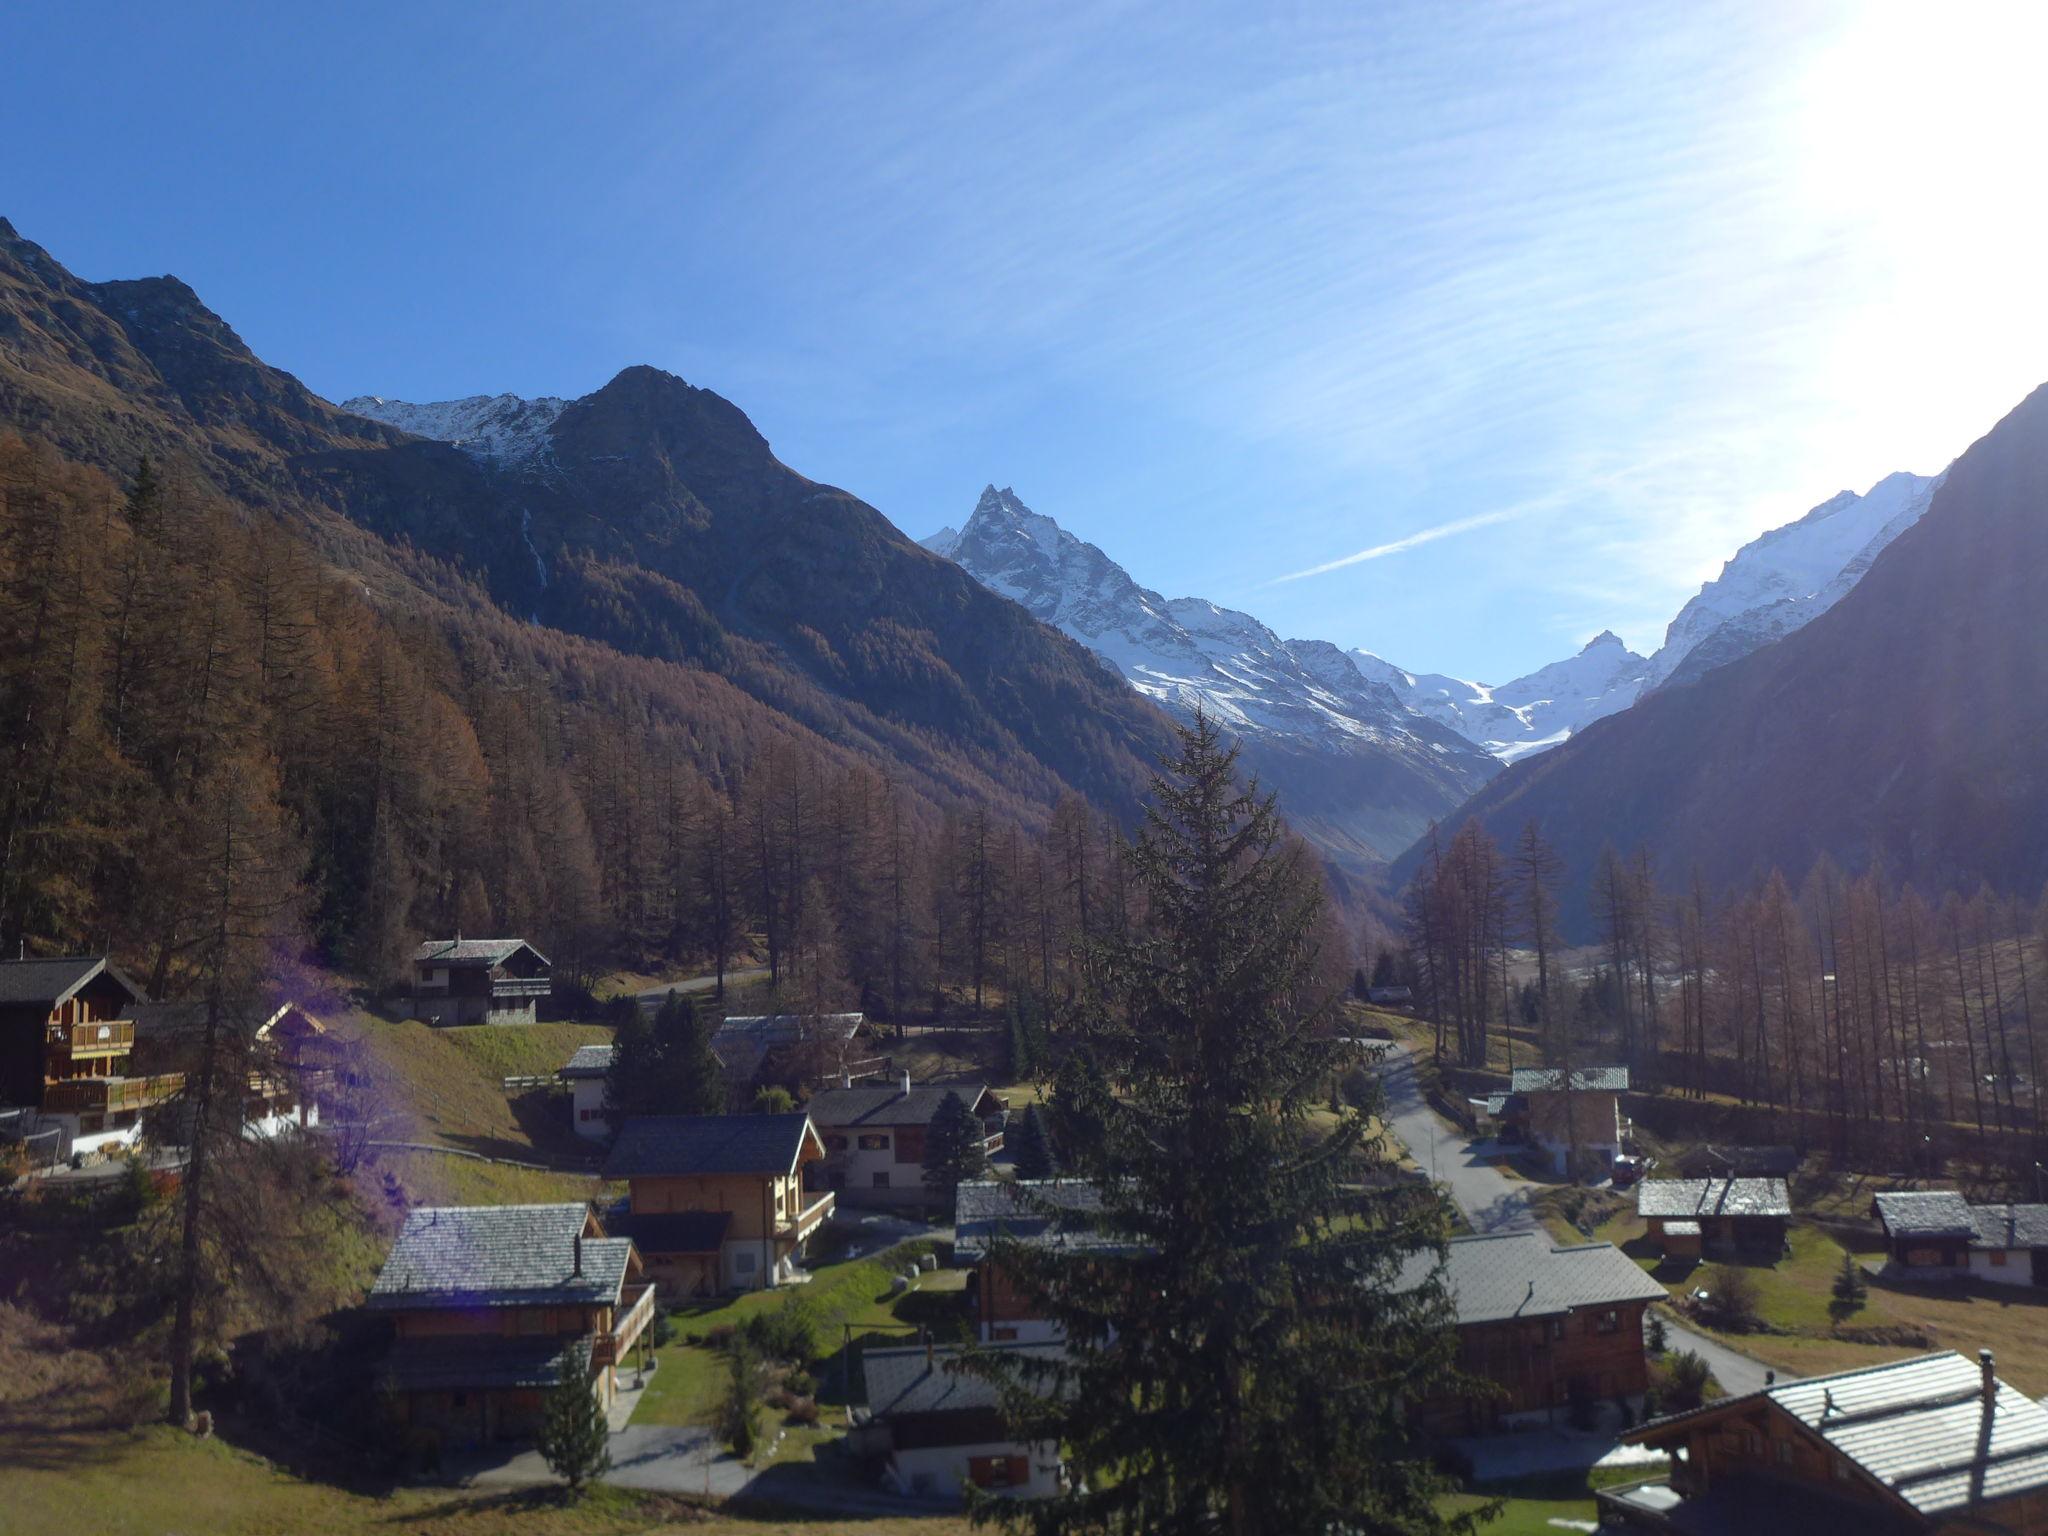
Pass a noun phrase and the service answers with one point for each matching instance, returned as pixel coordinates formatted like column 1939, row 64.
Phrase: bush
column 1686, row 1378
column 1850, row 1290
column 720, row 1336
column 662, row 1330
column 802, row 1383
column 788, row 1332
column 1657, row 1339
column 1733, row 1296
column 736, row 1410
column 804, row 1411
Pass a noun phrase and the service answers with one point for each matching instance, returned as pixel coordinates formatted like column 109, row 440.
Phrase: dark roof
column 1925, row 1213
column 1500, row 1275
column 499, row 1256
column 467, row 952
column 917, row 1380
column 675, row 1231
column 2010, row 1226
column 1920, row 1427
column 888, row 1105
column 1584, row 1079
column 590, row 1061
column 477, row 1361
column 1713, row 1197
column 56, row 981
column 985, row 1209
column 653, row 1145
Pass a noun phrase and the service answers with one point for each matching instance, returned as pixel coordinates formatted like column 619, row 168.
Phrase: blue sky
column 1235, row 292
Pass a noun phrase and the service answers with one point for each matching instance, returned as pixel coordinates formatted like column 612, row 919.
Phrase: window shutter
column 1020, row 1471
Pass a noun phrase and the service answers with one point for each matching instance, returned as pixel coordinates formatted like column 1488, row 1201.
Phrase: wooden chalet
column 1550, row 1325
column 717, row 1202
column 1938, row 1235
column 67, row 1053
column 1694, row 1216
column 800, row 1050
column 479, row 981
column 1566, row 1118
column 1052, row 1213
column 1936, row 1443
column 874, row 1137
column 941, row 1431
column 291, row 1060
column 490, row 1306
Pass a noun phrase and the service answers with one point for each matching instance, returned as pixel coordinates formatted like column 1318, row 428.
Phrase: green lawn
column 851, row 1301
column 156, row 1482
column 1531, row 1505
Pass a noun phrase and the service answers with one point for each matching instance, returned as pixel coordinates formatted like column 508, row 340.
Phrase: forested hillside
column 664, row 692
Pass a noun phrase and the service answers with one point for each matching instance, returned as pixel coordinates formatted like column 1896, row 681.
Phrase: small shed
column 1749, row 1215
column 1681, row 1239
column 1928, row 1229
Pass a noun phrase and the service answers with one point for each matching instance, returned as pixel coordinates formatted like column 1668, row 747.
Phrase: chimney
column 906, row 1082
column 846, row 1077
column 578, row 1271
column 1990, row 1380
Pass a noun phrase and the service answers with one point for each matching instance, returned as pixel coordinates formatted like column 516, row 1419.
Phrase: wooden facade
column 1542, row 1365
column 68, row 1052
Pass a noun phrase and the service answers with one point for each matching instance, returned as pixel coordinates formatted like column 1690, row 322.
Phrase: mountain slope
column 1907, row 724
column 1531, row 713
column 649, row 516
column 1356, row 773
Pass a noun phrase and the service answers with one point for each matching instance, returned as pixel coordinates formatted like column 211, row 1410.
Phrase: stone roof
column 1713, row 1197
column 1925, row 1213
column 1501, row 1275
column 499, row 1256
column 918, row 1380
column 1584, row 1079
column 589, row 1061
column 1925, row 1428
column 2010, row 1226
column 1042, row 1212
column 468, row 952
column 55, row 981
column 887, row 1105
column 650, row 1146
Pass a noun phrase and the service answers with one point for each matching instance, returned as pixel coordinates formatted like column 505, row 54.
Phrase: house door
column 2040, row 1259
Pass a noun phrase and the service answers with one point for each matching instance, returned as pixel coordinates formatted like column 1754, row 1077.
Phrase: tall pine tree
column 1241, row 1363
column 952, row 1150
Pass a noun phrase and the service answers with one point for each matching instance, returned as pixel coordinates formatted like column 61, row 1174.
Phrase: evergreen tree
column 1234, row 1368
column 688, row 1079
column 1386, row 970
column 1030, row 1157
column 574, row 1439
column 952, row 1149
column 1851, row 1290
column 1360, row 987
column 738, row 1407
column 629, row 1081
column 773, row 1099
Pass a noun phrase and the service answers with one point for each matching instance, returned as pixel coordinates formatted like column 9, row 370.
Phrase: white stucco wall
column 940, row 1471
column 586, row 1108
column 2018, row 1268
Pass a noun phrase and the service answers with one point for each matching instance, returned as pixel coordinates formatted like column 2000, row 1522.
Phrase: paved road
column 652, row 996
column 1493, row 1202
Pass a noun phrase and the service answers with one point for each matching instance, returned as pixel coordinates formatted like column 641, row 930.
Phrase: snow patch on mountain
column 504, row 428
column 1186, row 652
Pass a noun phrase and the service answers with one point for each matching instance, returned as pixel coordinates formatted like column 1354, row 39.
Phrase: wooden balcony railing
column 807, row 1218
column 109, row 1095
column 520, row 986
column 636, row 1311
column 104, row 1037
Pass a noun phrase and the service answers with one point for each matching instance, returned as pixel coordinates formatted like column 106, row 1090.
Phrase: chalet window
column 1004, row 1335
column 874, row 1142
column 998, row 1471
column 835, row 1143
column 1998, row 1258
column 1557, row 1328
column 881, row 1181
column 1608, row 1321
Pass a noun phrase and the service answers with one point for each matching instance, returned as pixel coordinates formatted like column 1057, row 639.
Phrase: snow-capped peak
column 504, row 428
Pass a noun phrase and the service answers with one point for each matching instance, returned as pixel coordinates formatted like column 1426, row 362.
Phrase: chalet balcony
column 515, row 988
column 104, row 1037
column 109, row 1095
column 636, row 1311
column 807, row 1219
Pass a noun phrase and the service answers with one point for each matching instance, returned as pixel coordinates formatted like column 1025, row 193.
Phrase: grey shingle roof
column 887, row 1105
column 51, row 982
column 653, row 1145
column 1920, row 1427
column 1713, row 1197
column 498, row 1256
column 467, row 952
column 2010, row 1226
column 905, row 1381
column 477, row 1361
column 1584, row 1079
column 589, row 1061
column 1497, row 1276
column 788, row 1028
column 985, row 1209
column 1925, row 1213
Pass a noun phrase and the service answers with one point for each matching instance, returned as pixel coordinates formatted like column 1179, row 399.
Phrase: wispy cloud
column 1405, row 542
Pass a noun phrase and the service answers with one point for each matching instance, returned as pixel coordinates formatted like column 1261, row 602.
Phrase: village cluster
column 490, row 1308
